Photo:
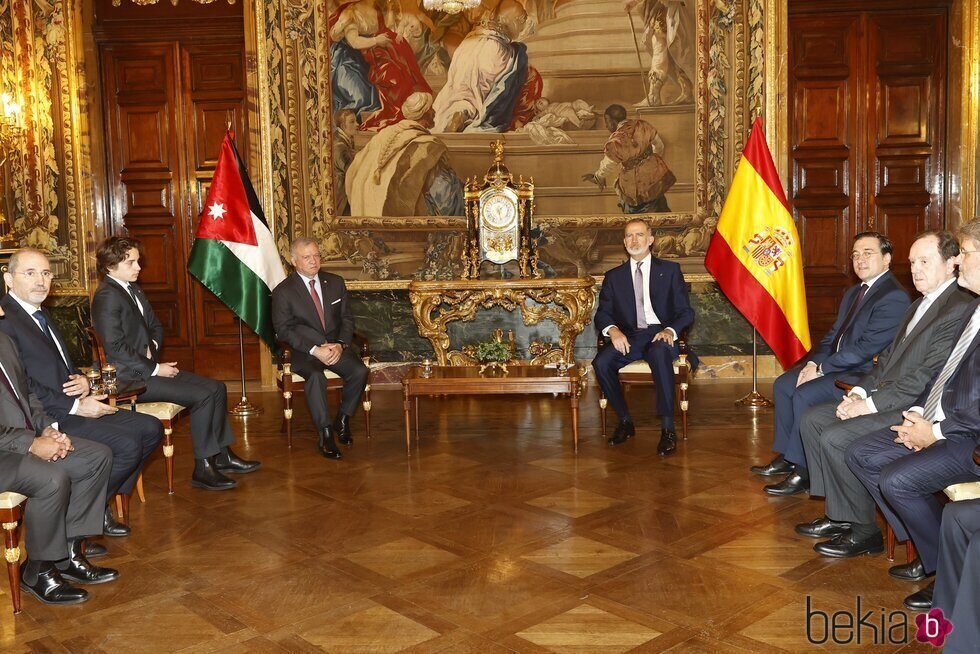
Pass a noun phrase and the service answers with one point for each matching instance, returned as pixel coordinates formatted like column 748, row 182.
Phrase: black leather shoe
column 624, row 431
column 327, row 445
column 94, row 550
column 49, row 586
column 922, row 600
column 778, row 466
column 822, row 528
column 81, row 571
column 914, row 571
column 668, row 442
column 208, row 477
column 342, row 427
column 229, row 463
column 110, row 527
column 794, row 484
column 845, row 546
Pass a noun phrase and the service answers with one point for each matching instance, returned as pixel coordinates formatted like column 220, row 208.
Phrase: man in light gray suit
column 65, row 480
column 921, row 345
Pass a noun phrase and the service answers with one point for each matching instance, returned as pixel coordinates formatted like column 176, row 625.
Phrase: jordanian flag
column 234, row 255
column 756, row 256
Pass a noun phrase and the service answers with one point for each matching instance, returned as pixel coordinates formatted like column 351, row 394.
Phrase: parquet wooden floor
column 492, row 537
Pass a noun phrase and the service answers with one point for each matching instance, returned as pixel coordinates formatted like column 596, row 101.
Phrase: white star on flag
column 217, row 210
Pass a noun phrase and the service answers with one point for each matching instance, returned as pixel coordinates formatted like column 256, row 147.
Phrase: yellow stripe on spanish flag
column 756, row 257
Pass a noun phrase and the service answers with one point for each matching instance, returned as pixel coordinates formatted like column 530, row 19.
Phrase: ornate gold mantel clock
column 498, row 220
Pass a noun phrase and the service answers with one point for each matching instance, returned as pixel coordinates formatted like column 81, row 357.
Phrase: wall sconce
column 11, row 130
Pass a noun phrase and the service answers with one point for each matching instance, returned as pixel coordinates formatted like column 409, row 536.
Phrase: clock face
column 499, row 211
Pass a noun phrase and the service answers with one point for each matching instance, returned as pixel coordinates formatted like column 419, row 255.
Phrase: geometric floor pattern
column 491, row 537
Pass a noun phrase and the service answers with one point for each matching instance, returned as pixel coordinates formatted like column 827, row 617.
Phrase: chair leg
column 139, row 489
column 11, row 553
column 602, row 412
column 122, row 507
column 889, row 542
column 168, row 454
column 366, row 404
column 287, row 416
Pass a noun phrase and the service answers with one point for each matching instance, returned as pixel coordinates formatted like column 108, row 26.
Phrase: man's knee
column 602, row 363
column 785, row 384
column 361, row 372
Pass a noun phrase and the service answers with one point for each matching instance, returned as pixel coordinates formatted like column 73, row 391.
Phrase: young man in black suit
column 65, row 480
column 643, row 307
column 311, row 314
column 866, row 323
column 62, row 389
column 904, row 466
column 133, row 337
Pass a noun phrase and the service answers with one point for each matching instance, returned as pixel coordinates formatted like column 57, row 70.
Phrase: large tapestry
column 613, row 108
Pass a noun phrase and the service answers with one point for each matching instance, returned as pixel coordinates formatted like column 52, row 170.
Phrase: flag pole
column 244, row 407
column 755, row 399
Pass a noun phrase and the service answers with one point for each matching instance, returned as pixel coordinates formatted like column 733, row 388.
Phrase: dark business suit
column 126, row 334
column 68, row 496
column 297, row 324
column 903, row 482
column 957, row 590
column 617, row 306
column 903, row 371
column 131, row 436
column 870, row 331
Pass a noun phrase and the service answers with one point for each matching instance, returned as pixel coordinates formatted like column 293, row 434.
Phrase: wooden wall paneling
column 213, row 95
column 144, row 155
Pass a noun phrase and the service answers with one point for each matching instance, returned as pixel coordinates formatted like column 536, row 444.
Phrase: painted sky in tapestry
column 596, row 100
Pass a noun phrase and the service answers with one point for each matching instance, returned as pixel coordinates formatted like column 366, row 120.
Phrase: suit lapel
column 30, row 327
column 9, row 364
column 307, row 299
column 132, row 303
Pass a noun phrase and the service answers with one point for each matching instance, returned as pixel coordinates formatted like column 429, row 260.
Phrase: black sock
column 863, row 530
column 667, row 422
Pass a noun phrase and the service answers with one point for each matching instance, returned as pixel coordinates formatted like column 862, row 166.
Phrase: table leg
column 408, row 424
column 575, row 422
column 417, row 432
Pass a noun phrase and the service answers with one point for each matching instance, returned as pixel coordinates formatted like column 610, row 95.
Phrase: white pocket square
column 335, row 301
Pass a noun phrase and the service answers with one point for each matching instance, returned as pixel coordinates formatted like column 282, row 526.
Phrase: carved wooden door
column 867, row 136
column 167, row 106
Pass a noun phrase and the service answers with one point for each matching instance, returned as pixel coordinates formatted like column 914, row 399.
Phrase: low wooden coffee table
column 467, row 380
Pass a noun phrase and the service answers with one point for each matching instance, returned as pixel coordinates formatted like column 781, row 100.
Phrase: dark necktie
column 849, row 317
column 132, row 294
column 41, row 320
column 318, row 305
column 10, row 389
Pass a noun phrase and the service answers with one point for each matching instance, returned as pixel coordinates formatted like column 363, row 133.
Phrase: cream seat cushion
column 9, row 499
column 297, row 379
column 159, row 410
column 966, row 491
column 641, row 367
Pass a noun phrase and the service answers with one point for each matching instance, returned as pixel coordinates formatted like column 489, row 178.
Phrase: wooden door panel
column 148, row 198
column 144, row 132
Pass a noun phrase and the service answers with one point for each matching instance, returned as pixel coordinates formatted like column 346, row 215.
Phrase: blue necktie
column 39, row 317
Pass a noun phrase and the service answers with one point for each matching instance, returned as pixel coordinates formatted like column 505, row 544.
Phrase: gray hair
column 15, row 258
column 299, row 242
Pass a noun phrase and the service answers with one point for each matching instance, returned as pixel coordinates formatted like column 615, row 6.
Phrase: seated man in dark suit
column 311, row 314
column 957, row 590
column 643, row 307
column 133, row 337
column 866, row 323
column 922, row 344
column 62, row 389
column 65, row 479
column 935, row 442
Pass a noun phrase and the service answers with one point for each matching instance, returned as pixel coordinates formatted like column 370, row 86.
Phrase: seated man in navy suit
column 957, row 592
column 904, row 466
column 643, row 307
column 866, row 323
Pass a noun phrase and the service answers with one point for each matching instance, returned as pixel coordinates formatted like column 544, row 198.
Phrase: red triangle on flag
column 226, row 215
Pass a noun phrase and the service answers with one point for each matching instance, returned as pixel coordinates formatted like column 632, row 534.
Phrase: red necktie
column 10, row 389
column 318, row 305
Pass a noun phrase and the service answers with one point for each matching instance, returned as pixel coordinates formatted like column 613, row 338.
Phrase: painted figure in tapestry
column 345, row 126
column 373, row 70
column 404, row 170
column 668, row 36
column 633, row 156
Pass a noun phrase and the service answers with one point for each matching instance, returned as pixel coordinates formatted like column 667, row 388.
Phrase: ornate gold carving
column 286, row 395
column 603, row 403
column 12, row 554
column 684, row 405
column 167, row 431
column 566, row 302
column 367, row 405
column 287, row 414
column 168, row 451
column 8, row 526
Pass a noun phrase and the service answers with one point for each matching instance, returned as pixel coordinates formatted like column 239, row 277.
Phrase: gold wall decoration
column 39, row 68
column 144, row 3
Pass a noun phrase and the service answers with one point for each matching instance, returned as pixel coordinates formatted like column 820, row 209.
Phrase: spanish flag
column 756, row 257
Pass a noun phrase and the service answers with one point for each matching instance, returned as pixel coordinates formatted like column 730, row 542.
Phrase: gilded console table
column 566, row 302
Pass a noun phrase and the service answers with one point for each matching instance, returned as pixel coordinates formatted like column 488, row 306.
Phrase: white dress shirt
column 648, row 312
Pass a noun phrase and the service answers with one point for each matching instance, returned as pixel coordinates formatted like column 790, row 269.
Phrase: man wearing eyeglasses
column 866, row 323
column 63, row 390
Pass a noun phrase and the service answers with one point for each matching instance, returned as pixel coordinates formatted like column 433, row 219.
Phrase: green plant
column 492, row 351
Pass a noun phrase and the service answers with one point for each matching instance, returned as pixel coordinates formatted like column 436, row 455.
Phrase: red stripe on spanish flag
column 755, row 254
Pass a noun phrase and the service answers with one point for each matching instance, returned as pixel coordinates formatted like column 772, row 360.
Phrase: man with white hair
column 404, row 170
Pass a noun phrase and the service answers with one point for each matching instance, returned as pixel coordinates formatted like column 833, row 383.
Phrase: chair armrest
column 843, row 385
